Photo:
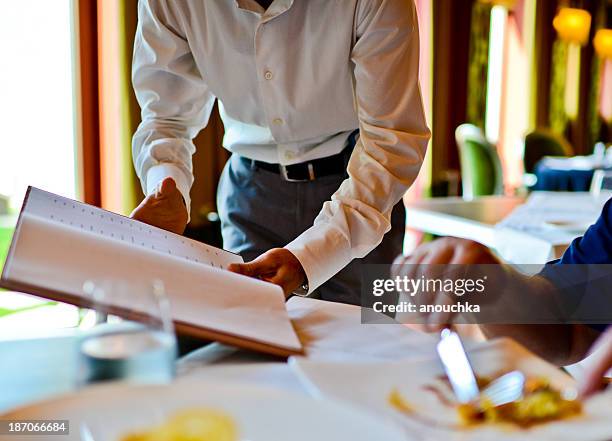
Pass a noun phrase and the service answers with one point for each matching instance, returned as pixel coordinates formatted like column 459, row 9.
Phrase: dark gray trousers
column 259, row 210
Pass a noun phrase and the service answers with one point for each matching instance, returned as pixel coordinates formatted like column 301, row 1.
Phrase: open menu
column 60, row 243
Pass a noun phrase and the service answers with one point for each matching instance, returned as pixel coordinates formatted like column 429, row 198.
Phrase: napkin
column 333, row 331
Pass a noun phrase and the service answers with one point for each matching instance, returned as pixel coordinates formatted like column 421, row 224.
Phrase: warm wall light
column 573, row 25
column 603, row 43
column 572, row 81
column 508, row 4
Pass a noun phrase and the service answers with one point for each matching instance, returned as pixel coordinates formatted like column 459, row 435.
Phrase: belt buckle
column 285, row 175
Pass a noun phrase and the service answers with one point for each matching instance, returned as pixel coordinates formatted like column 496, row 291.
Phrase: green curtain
column 594, row 119
column 127, row 28
column 557, row 116
column 6, row 233
column 478, row 64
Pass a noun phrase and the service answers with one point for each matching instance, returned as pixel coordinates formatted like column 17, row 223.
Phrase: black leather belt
column 308, row 171
column 311, row 170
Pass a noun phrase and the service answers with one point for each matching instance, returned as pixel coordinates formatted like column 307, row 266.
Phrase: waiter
column 322, row 112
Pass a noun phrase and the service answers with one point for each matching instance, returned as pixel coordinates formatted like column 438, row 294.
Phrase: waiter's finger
column 286, row 279
column 261, row 266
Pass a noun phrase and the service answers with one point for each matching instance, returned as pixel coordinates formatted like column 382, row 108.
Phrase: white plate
column 262, row 414
column 369, row 385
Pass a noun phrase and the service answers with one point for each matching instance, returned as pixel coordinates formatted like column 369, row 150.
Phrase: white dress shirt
column 292, row 82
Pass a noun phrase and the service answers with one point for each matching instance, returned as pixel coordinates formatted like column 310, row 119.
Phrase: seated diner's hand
column 278, row 266
column 164, row 209
column 428, row 261
column 601, row 363
column 449, row 250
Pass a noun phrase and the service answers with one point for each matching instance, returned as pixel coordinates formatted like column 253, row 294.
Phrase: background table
column 566, row 174
column 552, row 179
column 454, row 216
column 479, row 219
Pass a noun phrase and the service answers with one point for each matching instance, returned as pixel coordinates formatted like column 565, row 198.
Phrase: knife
column 457, row 367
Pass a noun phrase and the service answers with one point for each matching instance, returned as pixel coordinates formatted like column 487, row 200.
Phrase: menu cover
column 59, row 244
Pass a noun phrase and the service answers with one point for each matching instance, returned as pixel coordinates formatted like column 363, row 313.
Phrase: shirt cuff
column 323, row 252
column 157, row 173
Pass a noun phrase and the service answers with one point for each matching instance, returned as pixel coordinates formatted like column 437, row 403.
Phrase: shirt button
column 268, row 75
column 277, row 121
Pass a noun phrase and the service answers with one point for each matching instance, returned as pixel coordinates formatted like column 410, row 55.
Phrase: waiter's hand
column 278, row 266
column 164, row 209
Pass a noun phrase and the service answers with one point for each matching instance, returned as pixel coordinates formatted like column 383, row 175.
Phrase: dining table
column 42, row 365
column 39, row 367
column 347, row 365
column 45, row 365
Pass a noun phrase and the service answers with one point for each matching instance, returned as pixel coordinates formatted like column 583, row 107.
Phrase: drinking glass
column 133, row 337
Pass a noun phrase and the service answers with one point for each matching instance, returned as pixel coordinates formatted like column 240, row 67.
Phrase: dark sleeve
column 596, row 244
column 583, row 275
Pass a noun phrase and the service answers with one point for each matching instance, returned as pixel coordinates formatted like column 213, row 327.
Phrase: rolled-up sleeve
column 174, row 99
column 391, row 147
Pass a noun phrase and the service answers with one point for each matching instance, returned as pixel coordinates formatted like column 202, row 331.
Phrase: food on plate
column 199, row 424
column 397, row 401
column 540, row 403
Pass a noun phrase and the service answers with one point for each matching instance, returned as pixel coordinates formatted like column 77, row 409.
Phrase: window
column 37, row 127
column 37, row 145
column 508, row 117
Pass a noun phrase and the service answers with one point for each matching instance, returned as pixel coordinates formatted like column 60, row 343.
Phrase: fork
column 502, row 390
column 505, row 389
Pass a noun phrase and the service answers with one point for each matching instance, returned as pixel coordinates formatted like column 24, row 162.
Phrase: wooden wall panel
column 451, row 26
column 88, row 127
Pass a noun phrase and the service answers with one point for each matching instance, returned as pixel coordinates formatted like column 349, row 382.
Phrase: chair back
column 543, row 142
column 481, row 172
column 601, row 183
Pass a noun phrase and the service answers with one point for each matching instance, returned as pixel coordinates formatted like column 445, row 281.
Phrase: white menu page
column 111, row 226
column 59, row 244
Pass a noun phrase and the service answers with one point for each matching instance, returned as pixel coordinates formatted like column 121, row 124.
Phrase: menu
column 59, row 244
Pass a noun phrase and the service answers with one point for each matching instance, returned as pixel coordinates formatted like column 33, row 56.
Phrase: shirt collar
column 276, row 8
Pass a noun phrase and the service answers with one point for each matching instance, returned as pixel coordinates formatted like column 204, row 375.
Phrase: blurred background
column 518, row 94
